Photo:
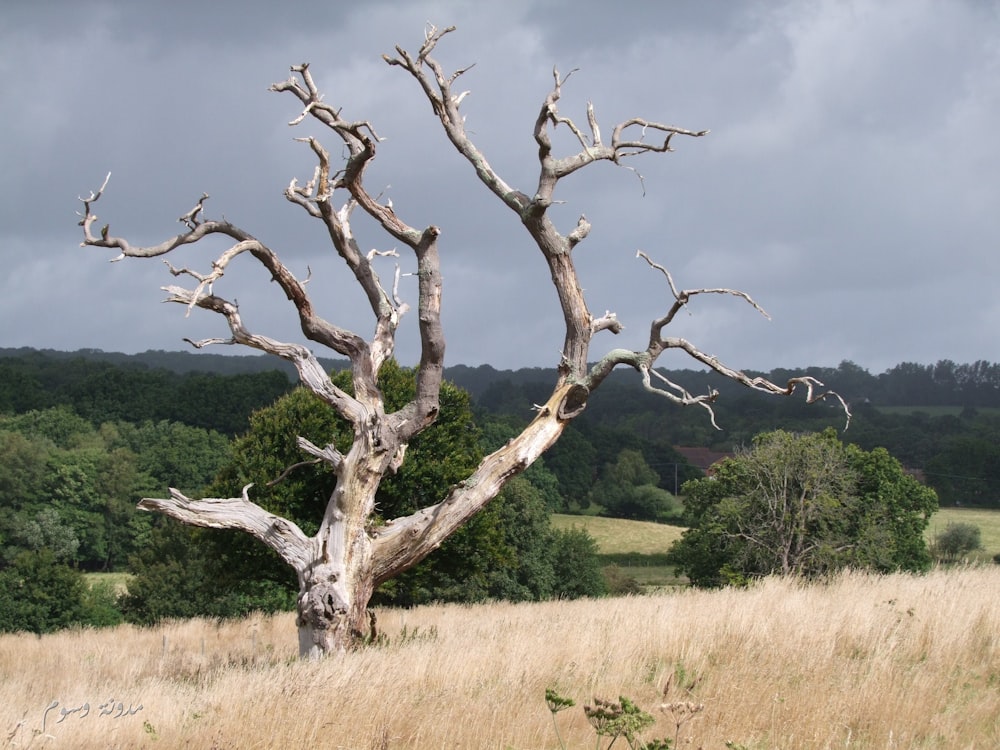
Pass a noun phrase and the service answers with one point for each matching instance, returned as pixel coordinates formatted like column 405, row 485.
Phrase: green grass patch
column 617, row 536
column 118, row 581
column 637, row 548
column 649, row 571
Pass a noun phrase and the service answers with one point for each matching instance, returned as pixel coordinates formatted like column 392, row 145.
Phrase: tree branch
column 360, row 139
column 644, row 361
column 241, row 514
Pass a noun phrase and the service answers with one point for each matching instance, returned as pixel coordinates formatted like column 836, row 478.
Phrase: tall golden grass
column 860, row 662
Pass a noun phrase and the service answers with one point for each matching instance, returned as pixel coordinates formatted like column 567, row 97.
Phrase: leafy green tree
column 24, row 469
column 577, row 566
column 60, row 424
column 69, row 488
column 803, row 505
column 44, row 529
column 628, row 489
column 507, row 551
column 172, row 453
column 893, row 511
column 175, row 576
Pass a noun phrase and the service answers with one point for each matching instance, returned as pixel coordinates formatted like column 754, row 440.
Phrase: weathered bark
column 340, row 567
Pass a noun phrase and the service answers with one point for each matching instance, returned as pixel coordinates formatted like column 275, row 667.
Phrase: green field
column 616, row 536
column 637, row 547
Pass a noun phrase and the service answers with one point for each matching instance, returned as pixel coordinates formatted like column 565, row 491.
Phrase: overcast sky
column 850, row 184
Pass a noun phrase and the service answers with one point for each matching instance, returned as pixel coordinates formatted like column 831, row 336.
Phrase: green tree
column 43, row 529
column 172, row 453
column 628, row 489
column 804, row 505
column 39, row 594
column 573, row 460
column 288, row 483
column 70, row 488
column 23, row 459
column 577, row 567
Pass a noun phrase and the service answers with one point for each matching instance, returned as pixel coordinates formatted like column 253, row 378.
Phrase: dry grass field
column 861, row 662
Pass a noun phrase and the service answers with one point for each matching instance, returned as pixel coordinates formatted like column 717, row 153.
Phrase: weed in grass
column 557, row 703
column 624, row 719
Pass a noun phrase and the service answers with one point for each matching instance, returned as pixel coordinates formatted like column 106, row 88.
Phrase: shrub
column 956, row 541
column 39, row 595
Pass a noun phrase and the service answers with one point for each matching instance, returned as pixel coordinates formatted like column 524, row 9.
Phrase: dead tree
column 341, row 565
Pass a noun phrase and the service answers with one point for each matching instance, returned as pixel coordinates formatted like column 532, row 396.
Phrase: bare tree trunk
column 333, row 615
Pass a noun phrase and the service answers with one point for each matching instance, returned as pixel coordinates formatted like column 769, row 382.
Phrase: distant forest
column 942, row 421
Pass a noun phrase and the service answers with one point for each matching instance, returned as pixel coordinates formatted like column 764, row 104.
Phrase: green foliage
column 129, row 391
column 577, row 567
column 60, row 425
column 70, row 488
column 803, row 505
column 574, row 462
column 100, row 606
column 67, row 497
column 507, row 551
column 40, row 595
column 613, row 720
column 171, row 453
column 628, row 489
column 957, row 541
column 42, row 529
column 621, row 719
column 177, row 576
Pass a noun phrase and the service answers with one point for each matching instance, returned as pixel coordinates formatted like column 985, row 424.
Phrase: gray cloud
column 849, row 183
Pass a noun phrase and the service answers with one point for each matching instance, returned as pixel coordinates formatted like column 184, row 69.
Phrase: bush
column 40, row 595
column 619, row 582
column 956, row 541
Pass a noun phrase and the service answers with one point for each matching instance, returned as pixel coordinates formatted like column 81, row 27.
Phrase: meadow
column 859, row 662
column 637, row 548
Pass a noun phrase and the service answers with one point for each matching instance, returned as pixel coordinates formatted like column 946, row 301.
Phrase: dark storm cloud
column 849, row 182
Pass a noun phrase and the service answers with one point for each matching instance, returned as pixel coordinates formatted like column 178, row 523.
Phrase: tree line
column 75, row 466
column 940, row 420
